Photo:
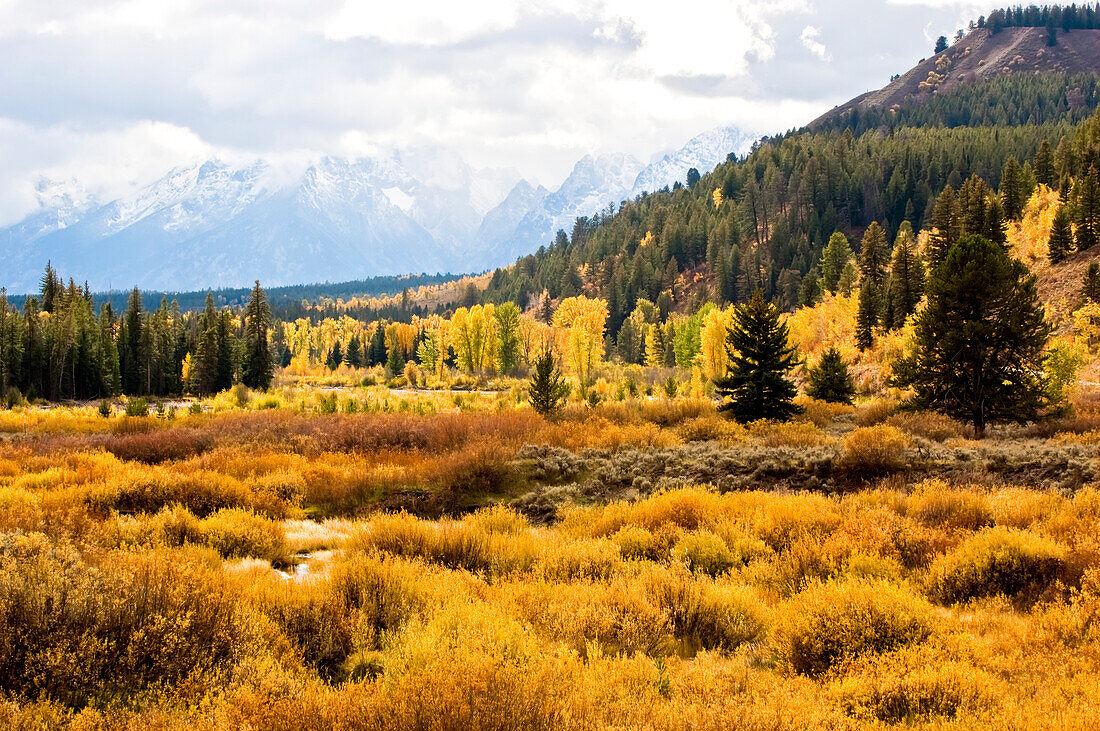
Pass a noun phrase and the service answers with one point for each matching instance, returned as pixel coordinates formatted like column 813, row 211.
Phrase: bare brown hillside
column 983, row 55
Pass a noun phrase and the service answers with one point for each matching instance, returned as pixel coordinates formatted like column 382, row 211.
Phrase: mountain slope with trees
column 981, row 144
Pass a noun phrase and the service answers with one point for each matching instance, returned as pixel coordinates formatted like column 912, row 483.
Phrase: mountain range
column 221, row 224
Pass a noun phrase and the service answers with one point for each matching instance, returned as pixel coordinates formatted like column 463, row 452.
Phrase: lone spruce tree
column 1061, row 236
column 830, row 380
column 548, row 386
column 756, row 384
column 980, row 340
column 258, row 367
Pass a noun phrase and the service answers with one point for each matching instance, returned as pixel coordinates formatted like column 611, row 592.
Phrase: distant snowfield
column 218, row 224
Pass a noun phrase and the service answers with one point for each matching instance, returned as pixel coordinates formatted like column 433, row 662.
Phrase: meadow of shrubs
column 636, row 564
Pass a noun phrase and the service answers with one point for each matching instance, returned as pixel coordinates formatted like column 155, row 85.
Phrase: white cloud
column 106, row 163
column 431, row 22
column 117, row 91
column 811, row 41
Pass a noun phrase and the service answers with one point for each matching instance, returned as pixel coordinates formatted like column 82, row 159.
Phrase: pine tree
column 335, row 357
column 906, row 277
column 548, row 386
column 51, row 288
column 756, row 384
column 873, row 258
column 226, row 362
column 131, row 358
column 354, row 353
column 867, row 315
column 1061, row 236
column 1091, row 286
column 395, row 359
column 204, row 365
column 1086, row 190
column 1013, row 188
column 11, row 345
column 258, row 368
column 980, row 341
column 830, row 380
column 981, row 211
column 810, row 291
column 945, row 226
column 1044, row 164
column 834, row 258
column 377, row 346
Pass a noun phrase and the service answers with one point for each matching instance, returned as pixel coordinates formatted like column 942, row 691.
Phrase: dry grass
column 136, row 573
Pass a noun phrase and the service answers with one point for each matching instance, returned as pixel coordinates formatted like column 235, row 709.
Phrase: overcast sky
column 114, row 93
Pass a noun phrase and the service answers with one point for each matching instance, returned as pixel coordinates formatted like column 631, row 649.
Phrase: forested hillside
column 763, row 222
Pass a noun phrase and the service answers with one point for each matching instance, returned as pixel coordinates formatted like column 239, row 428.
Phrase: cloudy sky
column 115, row 92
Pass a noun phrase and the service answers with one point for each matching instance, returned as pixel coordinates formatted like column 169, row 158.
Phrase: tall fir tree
column 335, row 356
column 353, row 354
column 830, row 379
column 258, row 367
column 835, row 257
column 1061, row 236
column 1014, row 192
column 1086, row 193
column 1044, row 165
column 873, row 258
column 204, row 363
column 548, row 387
column 1090, row 288
column 131, row 357
column 945, row 226
column 980, row 342
column 227, row 365
column 377, row 346
column 906, row 277
column 757, row 384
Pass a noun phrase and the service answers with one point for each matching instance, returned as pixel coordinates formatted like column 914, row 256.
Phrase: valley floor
column 465, row 563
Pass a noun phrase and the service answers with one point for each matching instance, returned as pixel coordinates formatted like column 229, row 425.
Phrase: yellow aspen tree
column 472, row 334
column 535, row 338
column 712, row 355
column 580, row 322
column 654, row 346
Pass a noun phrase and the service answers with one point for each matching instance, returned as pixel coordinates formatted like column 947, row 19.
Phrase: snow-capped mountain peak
column 221, row 223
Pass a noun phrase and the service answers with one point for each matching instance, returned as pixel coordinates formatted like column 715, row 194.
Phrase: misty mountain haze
column 218, row 224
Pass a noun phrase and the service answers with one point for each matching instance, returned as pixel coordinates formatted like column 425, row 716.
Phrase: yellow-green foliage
column 704, row 551
column 829, row 624
column 997, row 561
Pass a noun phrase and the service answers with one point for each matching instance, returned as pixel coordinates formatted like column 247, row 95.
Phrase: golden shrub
column 874, row 450
column 876, row 412
column 711, row 428
column 234, row 532
column 913, row 686
column 997, row 561
column 934, row 503
column 796, row 434
column 829, row 624
column 705, row 552
column 928, row 424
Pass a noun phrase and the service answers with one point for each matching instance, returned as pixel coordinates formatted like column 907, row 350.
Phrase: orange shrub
column 873, row 450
